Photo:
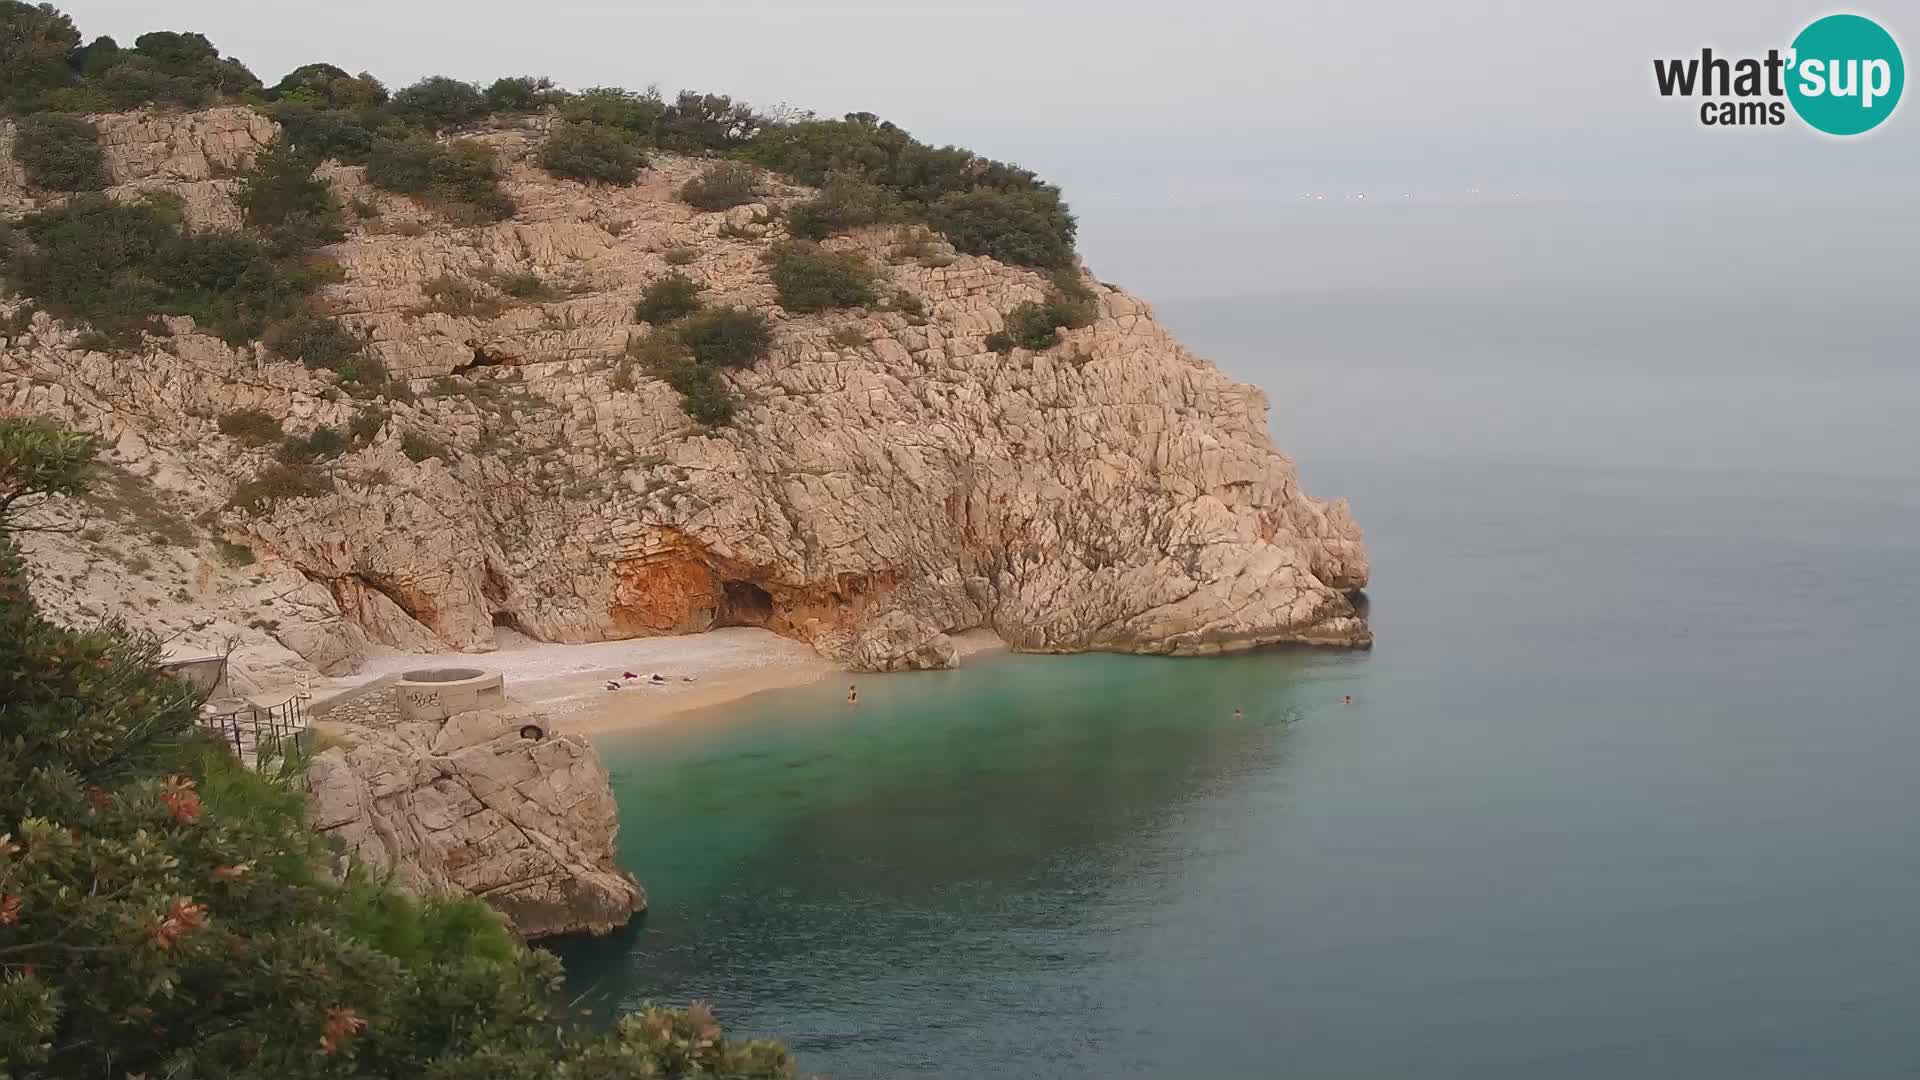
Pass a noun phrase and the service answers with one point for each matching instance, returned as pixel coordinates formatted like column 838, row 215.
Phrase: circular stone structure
column 437, row 693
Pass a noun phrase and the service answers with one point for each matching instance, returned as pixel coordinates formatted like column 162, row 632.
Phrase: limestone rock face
column 896, row 641
column 888, row 480
column 468, row 805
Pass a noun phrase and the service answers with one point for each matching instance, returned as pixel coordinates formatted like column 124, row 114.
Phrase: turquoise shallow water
column 1625, row 790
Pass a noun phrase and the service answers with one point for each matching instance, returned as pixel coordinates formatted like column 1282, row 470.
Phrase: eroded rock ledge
column 470, row 805
column 888, row 481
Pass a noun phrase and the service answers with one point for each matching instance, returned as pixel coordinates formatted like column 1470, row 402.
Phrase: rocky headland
column 888, row 478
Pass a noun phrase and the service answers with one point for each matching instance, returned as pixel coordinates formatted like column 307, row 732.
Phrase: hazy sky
column 1131, row 104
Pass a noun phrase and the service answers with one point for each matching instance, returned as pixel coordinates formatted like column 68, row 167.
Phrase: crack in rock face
column 887, row 481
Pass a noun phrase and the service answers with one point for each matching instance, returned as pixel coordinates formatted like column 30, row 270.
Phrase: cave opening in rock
column 507, row 620
column 742, row 603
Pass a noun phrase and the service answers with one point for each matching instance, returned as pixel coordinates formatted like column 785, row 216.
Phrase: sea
column 1628, row 787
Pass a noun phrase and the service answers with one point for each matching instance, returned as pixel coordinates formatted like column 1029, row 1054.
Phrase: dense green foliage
column 43, row 67
column 326, row 86
column 285, row 202
column 727, row 337
column 703, row 393
column 163, row 911
column 518, row 94
column 116, row 266
column 35, row 43
column 60, row 152
column 811, row 278
column 847, row 201
column 666, row 299
column 997, row 209
column 461, row 177
column 1025, row 228
column 341, row 134
column 437, row 103
column 593, row 152
column 722, row 186
column 1069, row 305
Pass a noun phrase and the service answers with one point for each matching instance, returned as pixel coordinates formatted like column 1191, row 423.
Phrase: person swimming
column 1238, row 715
column 853, row 695
column 1347, row 700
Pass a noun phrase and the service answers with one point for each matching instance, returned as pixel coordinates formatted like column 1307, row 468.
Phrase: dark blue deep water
column 1627, row 789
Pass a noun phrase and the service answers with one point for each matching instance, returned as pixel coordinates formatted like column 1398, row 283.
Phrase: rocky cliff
column 469, row 804
column 888, row 479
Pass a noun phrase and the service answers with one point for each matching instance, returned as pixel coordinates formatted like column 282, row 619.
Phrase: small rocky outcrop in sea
column 887, row 480
column 470, row 804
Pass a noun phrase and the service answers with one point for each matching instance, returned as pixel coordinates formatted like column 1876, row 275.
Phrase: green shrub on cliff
column 810, row 278
column 986, row 207
column 117, row 265
column 341, row 134
column 60, row 153
column 1025, row 228
column 666, row 299
column 282, row 199
column 1069, row 305
column 460, row 178
column 848, row 201
column 722, row 186
column 437, row 103
column 727, row 337
column 594, row 153
column 164, row 912
column 35, row 43
column 326, row 86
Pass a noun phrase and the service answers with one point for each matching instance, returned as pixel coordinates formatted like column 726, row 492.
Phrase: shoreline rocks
column 471, row 805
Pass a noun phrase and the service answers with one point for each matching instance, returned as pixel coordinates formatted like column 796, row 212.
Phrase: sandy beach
column 569, row 682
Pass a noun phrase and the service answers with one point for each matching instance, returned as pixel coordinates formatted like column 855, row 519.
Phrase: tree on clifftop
column 163, row 912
